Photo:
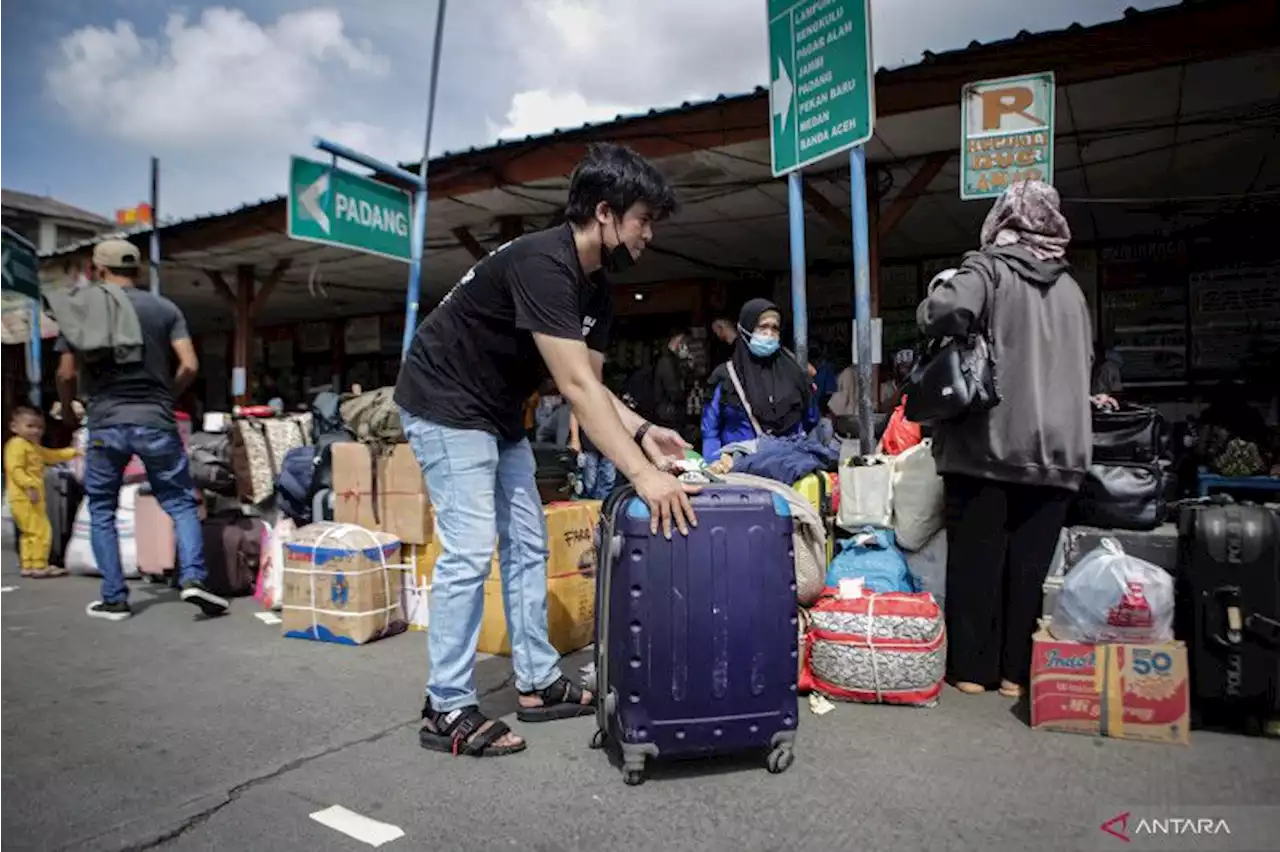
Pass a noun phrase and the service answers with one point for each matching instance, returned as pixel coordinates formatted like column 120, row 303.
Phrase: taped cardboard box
column 1132, row 692
column 341, row 584
column 571, row 580
column 391, row 496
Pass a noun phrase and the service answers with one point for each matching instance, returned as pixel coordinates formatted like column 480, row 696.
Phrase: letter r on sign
column 1014, row 100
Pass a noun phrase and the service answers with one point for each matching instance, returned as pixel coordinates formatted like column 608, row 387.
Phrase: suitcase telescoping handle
column 608, row 550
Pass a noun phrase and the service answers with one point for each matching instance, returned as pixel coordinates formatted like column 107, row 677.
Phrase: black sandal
column 561, row 700
column 458, row 736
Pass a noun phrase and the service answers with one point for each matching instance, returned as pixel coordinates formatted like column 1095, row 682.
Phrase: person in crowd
column 778, row 393
column 25, row 461
column 824, row 376
column 725, row 330
column 543, row 302
column 598, row 473
column 552, row 416
column 669, row 383
column 1010, row 473
column 130, row 412
column 844, row 403
column 1107, row 367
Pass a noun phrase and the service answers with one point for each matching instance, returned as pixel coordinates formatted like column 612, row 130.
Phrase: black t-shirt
column 141, row 393
column 473, row 362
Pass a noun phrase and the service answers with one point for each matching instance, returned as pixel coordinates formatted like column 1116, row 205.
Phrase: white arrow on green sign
column 19, row 270
column 338, row 208
column 821, row 92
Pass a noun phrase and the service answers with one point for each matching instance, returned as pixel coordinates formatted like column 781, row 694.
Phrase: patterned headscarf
column 1028, row 214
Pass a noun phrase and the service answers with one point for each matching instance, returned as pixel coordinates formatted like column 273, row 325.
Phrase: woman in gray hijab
column 1011, row 472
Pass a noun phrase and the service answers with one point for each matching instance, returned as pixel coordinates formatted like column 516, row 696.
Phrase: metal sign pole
column 862, row 295
column 154, row 250
column 418, row 240
column 799, row 301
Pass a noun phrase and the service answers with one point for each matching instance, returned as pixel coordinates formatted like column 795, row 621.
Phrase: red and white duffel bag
column 876, row 648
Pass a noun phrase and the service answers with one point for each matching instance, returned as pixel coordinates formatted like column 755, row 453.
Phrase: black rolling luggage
column 62, row 494
column 1229, row 612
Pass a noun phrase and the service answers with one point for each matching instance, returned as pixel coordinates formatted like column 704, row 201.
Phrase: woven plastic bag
column 1110, row 596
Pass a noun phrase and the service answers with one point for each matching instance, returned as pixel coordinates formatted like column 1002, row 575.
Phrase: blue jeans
column 162, row 453
column 484, row 492
column 598, row 475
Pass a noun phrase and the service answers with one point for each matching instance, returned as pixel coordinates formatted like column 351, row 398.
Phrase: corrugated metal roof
column 927, row 58
column 52, row 208
column 142, row 230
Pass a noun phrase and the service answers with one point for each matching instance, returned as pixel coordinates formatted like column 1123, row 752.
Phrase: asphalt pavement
column 177, row 732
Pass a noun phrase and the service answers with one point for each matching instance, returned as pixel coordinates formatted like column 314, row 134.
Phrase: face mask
column 762, row 346
column 682, row 352
column 618, row 258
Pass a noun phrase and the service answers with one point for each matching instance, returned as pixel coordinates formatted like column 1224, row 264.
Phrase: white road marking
column 8, row 588
column 267, row 617
column 360, row 827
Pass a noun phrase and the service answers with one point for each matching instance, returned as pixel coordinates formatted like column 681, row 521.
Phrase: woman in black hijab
column 778, row 393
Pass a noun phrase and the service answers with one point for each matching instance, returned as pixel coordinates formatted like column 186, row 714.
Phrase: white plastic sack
column 79, row 556
column 866, row 494
column 1113, row 597
column 928, row 566
column 917, row 496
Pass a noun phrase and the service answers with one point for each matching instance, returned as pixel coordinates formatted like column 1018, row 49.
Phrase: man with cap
column 131, row 391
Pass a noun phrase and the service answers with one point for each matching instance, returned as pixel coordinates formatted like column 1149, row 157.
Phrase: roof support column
column 242, row 344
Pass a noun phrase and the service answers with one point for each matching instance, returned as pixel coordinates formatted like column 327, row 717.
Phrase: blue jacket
column 725, row 421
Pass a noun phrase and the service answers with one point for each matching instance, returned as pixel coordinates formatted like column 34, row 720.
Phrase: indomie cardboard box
column 571, row 580
column 339, row 585
column 388, row 495
column 1133, row 692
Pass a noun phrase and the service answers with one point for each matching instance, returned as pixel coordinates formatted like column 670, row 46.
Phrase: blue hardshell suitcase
column 696, row 639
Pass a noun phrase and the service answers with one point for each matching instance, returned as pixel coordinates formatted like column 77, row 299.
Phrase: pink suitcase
column 157, row 546
column 156, row 542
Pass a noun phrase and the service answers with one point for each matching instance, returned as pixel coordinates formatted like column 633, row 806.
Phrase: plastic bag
column 1113, row 597
column 901, row 434
column 917, row 497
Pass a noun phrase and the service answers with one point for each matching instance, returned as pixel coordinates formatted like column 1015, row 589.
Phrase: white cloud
column 541, row 111
column 200, row 85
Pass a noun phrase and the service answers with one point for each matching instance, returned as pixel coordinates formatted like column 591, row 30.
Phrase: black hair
column 619, row 177
column 24, row 411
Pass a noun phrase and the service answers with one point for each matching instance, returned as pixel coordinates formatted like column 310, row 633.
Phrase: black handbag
column 1121, row 497
column 1130, row 434
column 954, row 376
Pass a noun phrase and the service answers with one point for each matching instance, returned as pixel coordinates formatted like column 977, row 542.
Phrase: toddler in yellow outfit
column 24, row 464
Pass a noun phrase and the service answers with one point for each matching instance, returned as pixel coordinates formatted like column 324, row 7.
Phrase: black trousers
column 1000, row 541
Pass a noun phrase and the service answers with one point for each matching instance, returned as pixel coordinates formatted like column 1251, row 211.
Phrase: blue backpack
column 872, row 554
column 293, row 485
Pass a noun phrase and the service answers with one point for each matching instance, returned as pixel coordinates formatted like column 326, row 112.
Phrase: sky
column 224, row 93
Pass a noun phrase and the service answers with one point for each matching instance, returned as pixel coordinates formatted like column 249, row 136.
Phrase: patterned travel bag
column 258, row 448
column 876, row 648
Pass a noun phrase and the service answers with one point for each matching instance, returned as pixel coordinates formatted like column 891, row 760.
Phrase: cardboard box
column 1132, row 692
column 394, row 501
column 571, row 583
column 337, row 587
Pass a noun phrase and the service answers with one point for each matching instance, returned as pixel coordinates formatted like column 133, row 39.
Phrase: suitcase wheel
column 633, row 777
column 632, row 767
column 780, row 759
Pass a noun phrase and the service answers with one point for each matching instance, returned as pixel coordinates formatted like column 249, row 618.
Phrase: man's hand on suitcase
column 661, row 443
column 668, row 500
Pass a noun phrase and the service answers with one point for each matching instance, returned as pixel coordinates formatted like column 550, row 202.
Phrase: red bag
column 876, row 648
column 901, row 434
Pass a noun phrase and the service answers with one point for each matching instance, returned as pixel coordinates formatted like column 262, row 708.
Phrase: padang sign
column 1007, row 133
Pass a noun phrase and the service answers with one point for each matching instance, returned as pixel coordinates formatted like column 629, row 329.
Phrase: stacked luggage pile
column 1179, row 598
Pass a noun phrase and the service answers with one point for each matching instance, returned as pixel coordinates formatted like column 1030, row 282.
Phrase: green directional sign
column 821, row 81
column 338, row 208
column 19, row 270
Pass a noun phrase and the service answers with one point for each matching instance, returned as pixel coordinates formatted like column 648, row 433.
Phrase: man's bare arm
column 188, row 365
column 578, row 379
column 630, row 420
column 68, row 373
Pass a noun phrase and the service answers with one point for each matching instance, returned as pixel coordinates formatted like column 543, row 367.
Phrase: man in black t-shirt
column 539, row 303
column 131, row 412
